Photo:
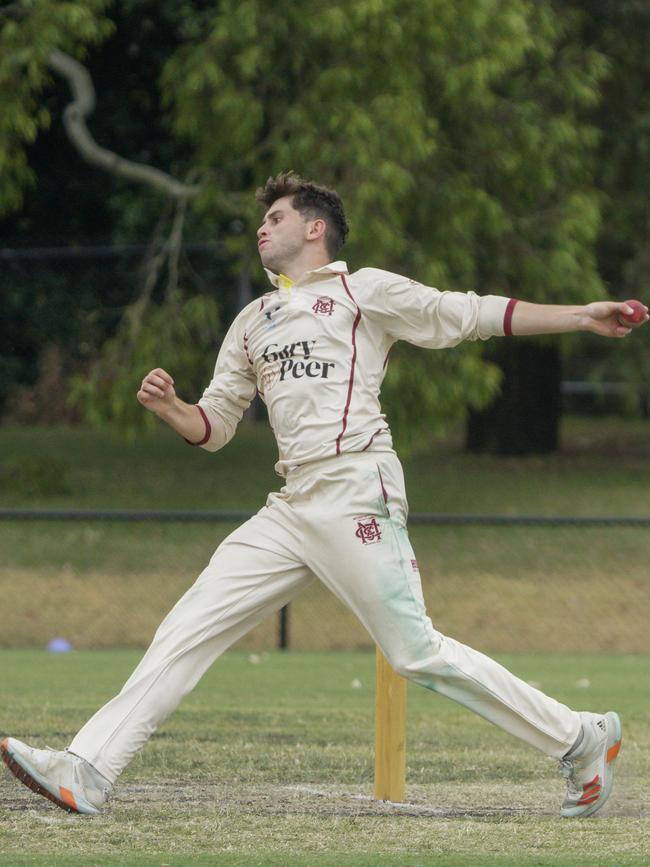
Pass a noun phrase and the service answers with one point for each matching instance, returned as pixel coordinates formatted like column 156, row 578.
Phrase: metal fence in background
column 496, row 582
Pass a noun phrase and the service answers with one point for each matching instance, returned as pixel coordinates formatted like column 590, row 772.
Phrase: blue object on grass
column 59, row 645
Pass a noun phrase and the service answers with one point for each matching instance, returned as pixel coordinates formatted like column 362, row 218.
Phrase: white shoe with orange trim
column 589, row 769
column 67, row 780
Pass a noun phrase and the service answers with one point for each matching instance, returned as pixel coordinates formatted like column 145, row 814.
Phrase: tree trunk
column 524, row 419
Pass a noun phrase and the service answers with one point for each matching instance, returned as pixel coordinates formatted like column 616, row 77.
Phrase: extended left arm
column 600, row 317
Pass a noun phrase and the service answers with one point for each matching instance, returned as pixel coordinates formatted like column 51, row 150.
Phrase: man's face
column 282, row 235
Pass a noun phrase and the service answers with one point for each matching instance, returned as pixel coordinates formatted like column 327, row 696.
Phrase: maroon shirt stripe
column 353, row 364
column 507, row 319
column 208, row 428
column 372, row 438
column 250, row 360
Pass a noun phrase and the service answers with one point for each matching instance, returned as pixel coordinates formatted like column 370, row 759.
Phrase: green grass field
column 600, row 469
column 570, row 588
column 270, row 762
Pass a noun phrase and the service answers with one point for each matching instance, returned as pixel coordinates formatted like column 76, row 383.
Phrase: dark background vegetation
column 520, row 165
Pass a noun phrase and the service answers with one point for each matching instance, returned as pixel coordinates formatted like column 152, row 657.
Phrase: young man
column 315, row 348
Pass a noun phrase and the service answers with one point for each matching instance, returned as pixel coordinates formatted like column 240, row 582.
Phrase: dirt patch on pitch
column 193, row 797
column 289, row 800
column 311, row 800
column 446, row 802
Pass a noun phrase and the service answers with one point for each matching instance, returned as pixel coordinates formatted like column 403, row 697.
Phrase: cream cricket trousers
column 341, row 520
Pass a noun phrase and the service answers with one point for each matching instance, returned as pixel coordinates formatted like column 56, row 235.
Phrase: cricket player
column 315, row 349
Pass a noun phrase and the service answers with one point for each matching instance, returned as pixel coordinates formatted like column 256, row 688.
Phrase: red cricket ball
column 636, row 317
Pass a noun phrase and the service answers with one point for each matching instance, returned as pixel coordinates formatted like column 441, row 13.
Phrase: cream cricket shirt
column 316, row 351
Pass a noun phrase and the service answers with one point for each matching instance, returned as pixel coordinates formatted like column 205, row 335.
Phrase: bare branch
column 174, row 244
column 156, row 257
column 74, row 118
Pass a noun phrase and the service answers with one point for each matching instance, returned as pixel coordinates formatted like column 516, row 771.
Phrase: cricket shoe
column 67, row 780
column 589, row 768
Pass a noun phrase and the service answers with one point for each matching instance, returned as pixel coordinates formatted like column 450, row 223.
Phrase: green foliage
column 621, row 31
column 424, row 394
column 176, row 334
column 29, row 32
column 458, row 134
column 629, row 366
column 461, row 136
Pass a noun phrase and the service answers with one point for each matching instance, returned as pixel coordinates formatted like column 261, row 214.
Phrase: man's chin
column 270, row 262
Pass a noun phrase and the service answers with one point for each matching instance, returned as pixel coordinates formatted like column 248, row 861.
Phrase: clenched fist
column 157, row 391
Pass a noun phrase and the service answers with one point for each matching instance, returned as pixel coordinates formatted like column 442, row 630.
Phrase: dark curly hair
column 313, row 201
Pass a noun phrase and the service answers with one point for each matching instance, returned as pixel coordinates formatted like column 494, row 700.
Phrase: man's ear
column 316, row 229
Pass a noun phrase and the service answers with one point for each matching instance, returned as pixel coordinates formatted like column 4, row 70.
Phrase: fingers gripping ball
column 636, row 318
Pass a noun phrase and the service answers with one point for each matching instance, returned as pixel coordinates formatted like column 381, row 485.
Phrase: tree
column 620, row 31
column 455, row 133
column 73, row 306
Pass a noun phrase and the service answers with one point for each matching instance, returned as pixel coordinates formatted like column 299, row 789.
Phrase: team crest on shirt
column 324, row 305
column 367, row 530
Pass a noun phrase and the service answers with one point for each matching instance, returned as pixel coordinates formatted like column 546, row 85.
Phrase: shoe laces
column 570, row 765
column 568, row 768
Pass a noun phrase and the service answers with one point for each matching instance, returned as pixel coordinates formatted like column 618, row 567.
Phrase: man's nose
column 261, row 231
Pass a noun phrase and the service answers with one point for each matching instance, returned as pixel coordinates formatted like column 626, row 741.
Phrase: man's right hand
column 157, row 391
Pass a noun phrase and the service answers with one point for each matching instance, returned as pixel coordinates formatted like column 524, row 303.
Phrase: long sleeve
column 231, row 390
column 426, row 317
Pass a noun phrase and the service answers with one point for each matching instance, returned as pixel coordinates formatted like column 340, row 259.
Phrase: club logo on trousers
column 367, row 530
column 324, row 305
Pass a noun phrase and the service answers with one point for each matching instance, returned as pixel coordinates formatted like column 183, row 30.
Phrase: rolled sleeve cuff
column 495, row 316
column 208, row 429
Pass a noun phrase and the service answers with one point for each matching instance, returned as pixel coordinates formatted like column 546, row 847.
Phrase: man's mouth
column 261, row 243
